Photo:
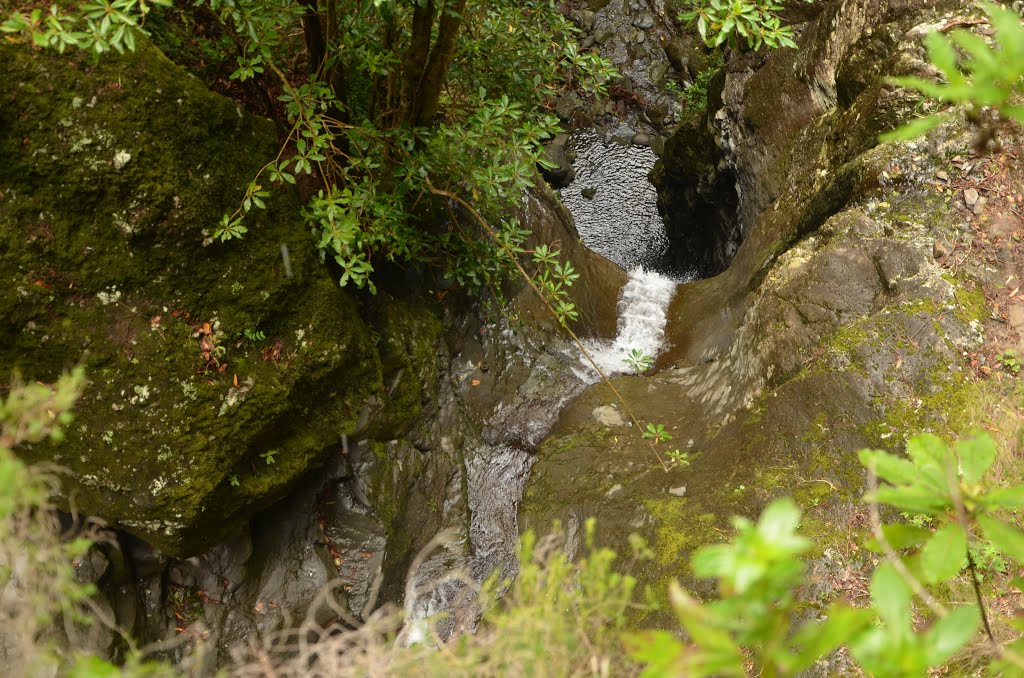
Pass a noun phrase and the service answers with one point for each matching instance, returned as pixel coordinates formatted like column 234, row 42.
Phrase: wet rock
column 797, row 355
column 645, row 21
column 567, row 105
column 563, row 173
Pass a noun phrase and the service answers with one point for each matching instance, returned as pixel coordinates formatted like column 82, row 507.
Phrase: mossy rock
column 116, row 171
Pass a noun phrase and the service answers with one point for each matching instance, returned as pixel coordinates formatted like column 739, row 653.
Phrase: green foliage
column 638, row 361
column 254, row 336
column 483, row 146
column 756, row 21
column 977, row 76
column 680, row 459
column 97, row 26
column 1010, row 361
column 404, row 104
column 268, row 457
column 656, row 433
column 754, row 629
column 553, row 279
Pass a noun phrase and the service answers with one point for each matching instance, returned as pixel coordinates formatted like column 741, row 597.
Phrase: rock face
column 220, row 377
column 833, row 329
column 115, row 173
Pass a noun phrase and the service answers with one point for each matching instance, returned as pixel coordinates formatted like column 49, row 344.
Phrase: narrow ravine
column 614, row 207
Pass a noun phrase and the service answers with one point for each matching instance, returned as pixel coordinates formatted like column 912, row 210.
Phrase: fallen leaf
column 206, row 328
column 475, row 382
column 234, row 381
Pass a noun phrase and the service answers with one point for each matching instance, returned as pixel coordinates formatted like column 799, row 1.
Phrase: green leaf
column 659, row 650
column 976, row 456
column 912, row 499
column 1008, row 540
column 1005, row 497
column 817, row 639
column 901, row 536
column 943, row 555
column 949, row 634
column 779, row 520
column 93, row 667
column 942, row 55
column 700, row 624
column 890, row 596
column 913, row 129
column 889, row 467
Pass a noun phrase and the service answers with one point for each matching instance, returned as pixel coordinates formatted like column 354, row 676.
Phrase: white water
column 642, row 316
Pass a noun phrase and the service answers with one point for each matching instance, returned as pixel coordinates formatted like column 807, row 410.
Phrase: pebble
column 939, row 250
column 645, row 21
column 678, row 491
column 970, row 196
column 608, row 415
column 979, row 206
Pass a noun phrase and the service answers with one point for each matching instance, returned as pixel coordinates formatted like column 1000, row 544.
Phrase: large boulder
column 115, row 173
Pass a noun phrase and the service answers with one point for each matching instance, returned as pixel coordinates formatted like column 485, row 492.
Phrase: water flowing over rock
column 642, row 315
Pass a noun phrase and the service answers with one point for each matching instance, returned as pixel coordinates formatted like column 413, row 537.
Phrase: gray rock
column 584, row 18
column 658, row 145
column 971, row 197
column 645, row 21
column 608, row 415
column 678, row 491
column 603, row 35
column 563, row 173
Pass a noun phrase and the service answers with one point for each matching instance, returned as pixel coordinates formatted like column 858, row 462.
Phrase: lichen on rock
column 116, row 171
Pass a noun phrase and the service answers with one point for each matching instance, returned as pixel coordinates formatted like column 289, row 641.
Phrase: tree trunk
column 436, row 71
column 415, row 60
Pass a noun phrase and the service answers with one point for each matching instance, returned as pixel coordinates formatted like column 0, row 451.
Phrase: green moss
column 114, row 173
column 683, row 526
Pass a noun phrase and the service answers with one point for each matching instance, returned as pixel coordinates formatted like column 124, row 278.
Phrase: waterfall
column 642, row 316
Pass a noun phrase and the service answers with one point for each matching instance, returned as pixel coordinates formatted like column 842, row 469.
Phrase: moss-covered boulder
column 218, row 373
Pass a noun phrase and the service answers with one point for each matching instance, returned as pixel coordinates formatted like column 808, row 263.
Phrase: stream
column 614, row 207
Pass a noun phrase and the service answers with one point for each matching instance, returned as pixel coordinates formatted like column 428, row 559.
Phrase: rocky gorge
column 824, row 309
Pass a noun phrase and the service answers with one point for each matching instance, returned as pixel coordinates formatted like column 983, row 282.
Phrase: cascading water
column 641, row 325
column 616, row 214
